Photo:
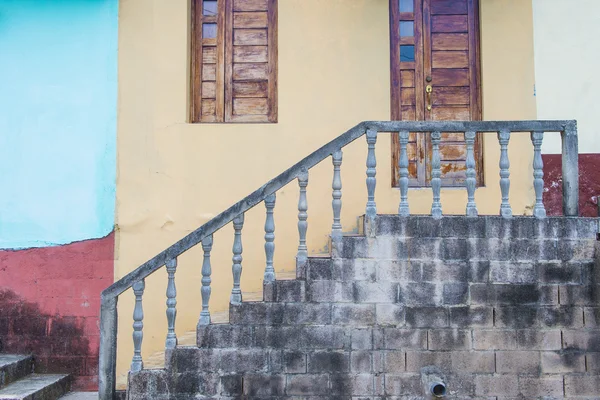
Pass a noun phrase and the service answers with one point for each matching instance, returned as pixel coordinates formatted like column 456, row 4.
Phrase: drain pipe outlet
column 434, row 383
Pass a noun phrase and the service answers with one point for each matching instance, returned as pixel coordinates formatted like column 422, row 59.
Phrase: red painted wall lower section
column 50, row 305
column 589, row 184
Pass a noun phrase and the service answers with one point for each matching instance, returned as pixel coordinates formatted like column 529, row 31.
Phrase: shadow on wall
column 589, row 184
column 59, row 344
column 50, row 306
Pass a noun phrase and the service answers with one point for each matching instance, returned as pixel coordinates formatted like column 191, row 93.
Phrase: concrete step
column 491, row 227
column 14, row 367
column 80, row 396
column 37, row 387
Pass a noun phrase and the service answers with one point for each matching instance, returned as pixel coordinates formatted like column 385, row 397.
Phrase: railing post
column 570, row 171
column 503, row 139
column 236, row 292
column 436, row 173
column 538, row 174
column 403, row 209
column 371, row 210
column 302, row 255
column 207, row 244
column 107, row 368
column 270, row 238
column 470, row 182
column 336, row 204
column 171, row 341
column 138, row 326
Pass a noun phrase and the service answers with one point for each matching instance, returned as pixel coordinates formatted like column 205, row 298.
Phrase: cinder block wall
column 504, row 309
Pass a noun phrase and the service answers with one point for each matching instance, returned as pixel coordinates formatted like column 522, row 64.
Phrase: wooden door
column 435, row 43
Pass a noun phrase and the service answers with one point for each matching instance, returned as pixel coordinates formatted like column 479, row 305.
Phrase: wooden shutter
column 235, row 73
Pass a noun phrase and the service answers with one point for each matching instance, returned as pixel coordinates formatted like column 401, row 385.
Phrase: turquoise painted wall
column 58, row 108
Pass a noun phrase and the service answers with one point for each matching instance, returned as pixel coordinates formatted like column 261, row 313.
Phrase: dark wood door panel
column 446, row 56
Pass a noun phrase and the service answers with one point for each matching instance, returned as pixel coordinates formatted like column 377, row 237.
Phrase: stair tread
column 30, row 385
column 9, row 359
column 80, row 396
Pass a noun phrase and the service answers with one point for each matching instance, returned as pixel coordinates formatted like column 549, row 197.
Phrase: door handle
column 428, row 90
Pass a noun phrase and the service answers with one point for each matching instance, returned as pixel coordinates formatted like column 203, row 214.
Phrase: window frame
column 224, row 63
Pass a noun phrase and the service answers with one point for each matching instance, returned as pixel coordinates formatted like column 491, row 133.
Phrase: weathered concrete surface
column 503, row 308
column 14, row 367
column 37, row 387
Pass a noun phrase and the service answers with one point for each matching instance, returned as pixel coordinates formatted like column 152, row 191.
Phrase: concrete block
column 307, row 313
column 375, row 292
column 518, row 362
column 476, row 316
column 259, row 385
column 582, row 385
column 329, row 291
column 513, row 272
column 588, row 340
column 473, row 362
column 353, row 314
column 405, row 384
column 455, row 293
column 496, row 385
column 415, row 360
column 534, row 339
column 328, row 361
column 427, row 317
column 244, row 360
column 360, row 269
column 535, row 387
column 449, row 339
column 307, row 384
column 362, row 338
column 361, row 361
column 494, row 339
column 392, row 270
column 390, row 314
column 420, row 294
column 563, row 362
column 395, row 338
column 321, row 268
column 516, row 317
column 394, row 362
column 566, row 273
column 563, row 316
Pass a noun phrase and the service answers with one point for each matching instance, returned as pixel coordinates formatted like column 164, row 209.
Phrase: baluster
column 171, row 341
column 403, row 209
column 538, row 174
column 138, row 325
column 270, row 238
column 436, row 173
column 207, row 244
column 302, row 255
column 503, row 138
column 371, row 211
column 336, row 204
column 470, row 182
column 236, row 292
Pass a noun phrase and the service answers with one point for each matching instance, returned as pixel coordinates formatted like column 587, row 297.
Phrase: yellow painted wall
column 174, row 176
column 567, row 55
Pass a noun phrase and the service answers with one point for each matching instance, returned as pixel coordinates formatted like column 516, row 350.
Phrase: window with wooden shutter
column 234, row 68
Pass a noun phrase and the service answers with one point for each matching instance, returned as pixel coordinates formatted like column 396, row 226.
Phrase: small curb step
column 14, row 367
column 36, row 387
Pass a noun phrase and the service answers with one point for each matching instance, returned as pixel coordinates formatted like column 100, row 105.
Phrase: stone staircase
column 490, row 307
column 17, row 382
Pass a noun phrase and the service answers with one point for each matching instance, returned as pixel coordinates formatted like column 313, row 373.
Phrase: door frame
column 420, row 38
